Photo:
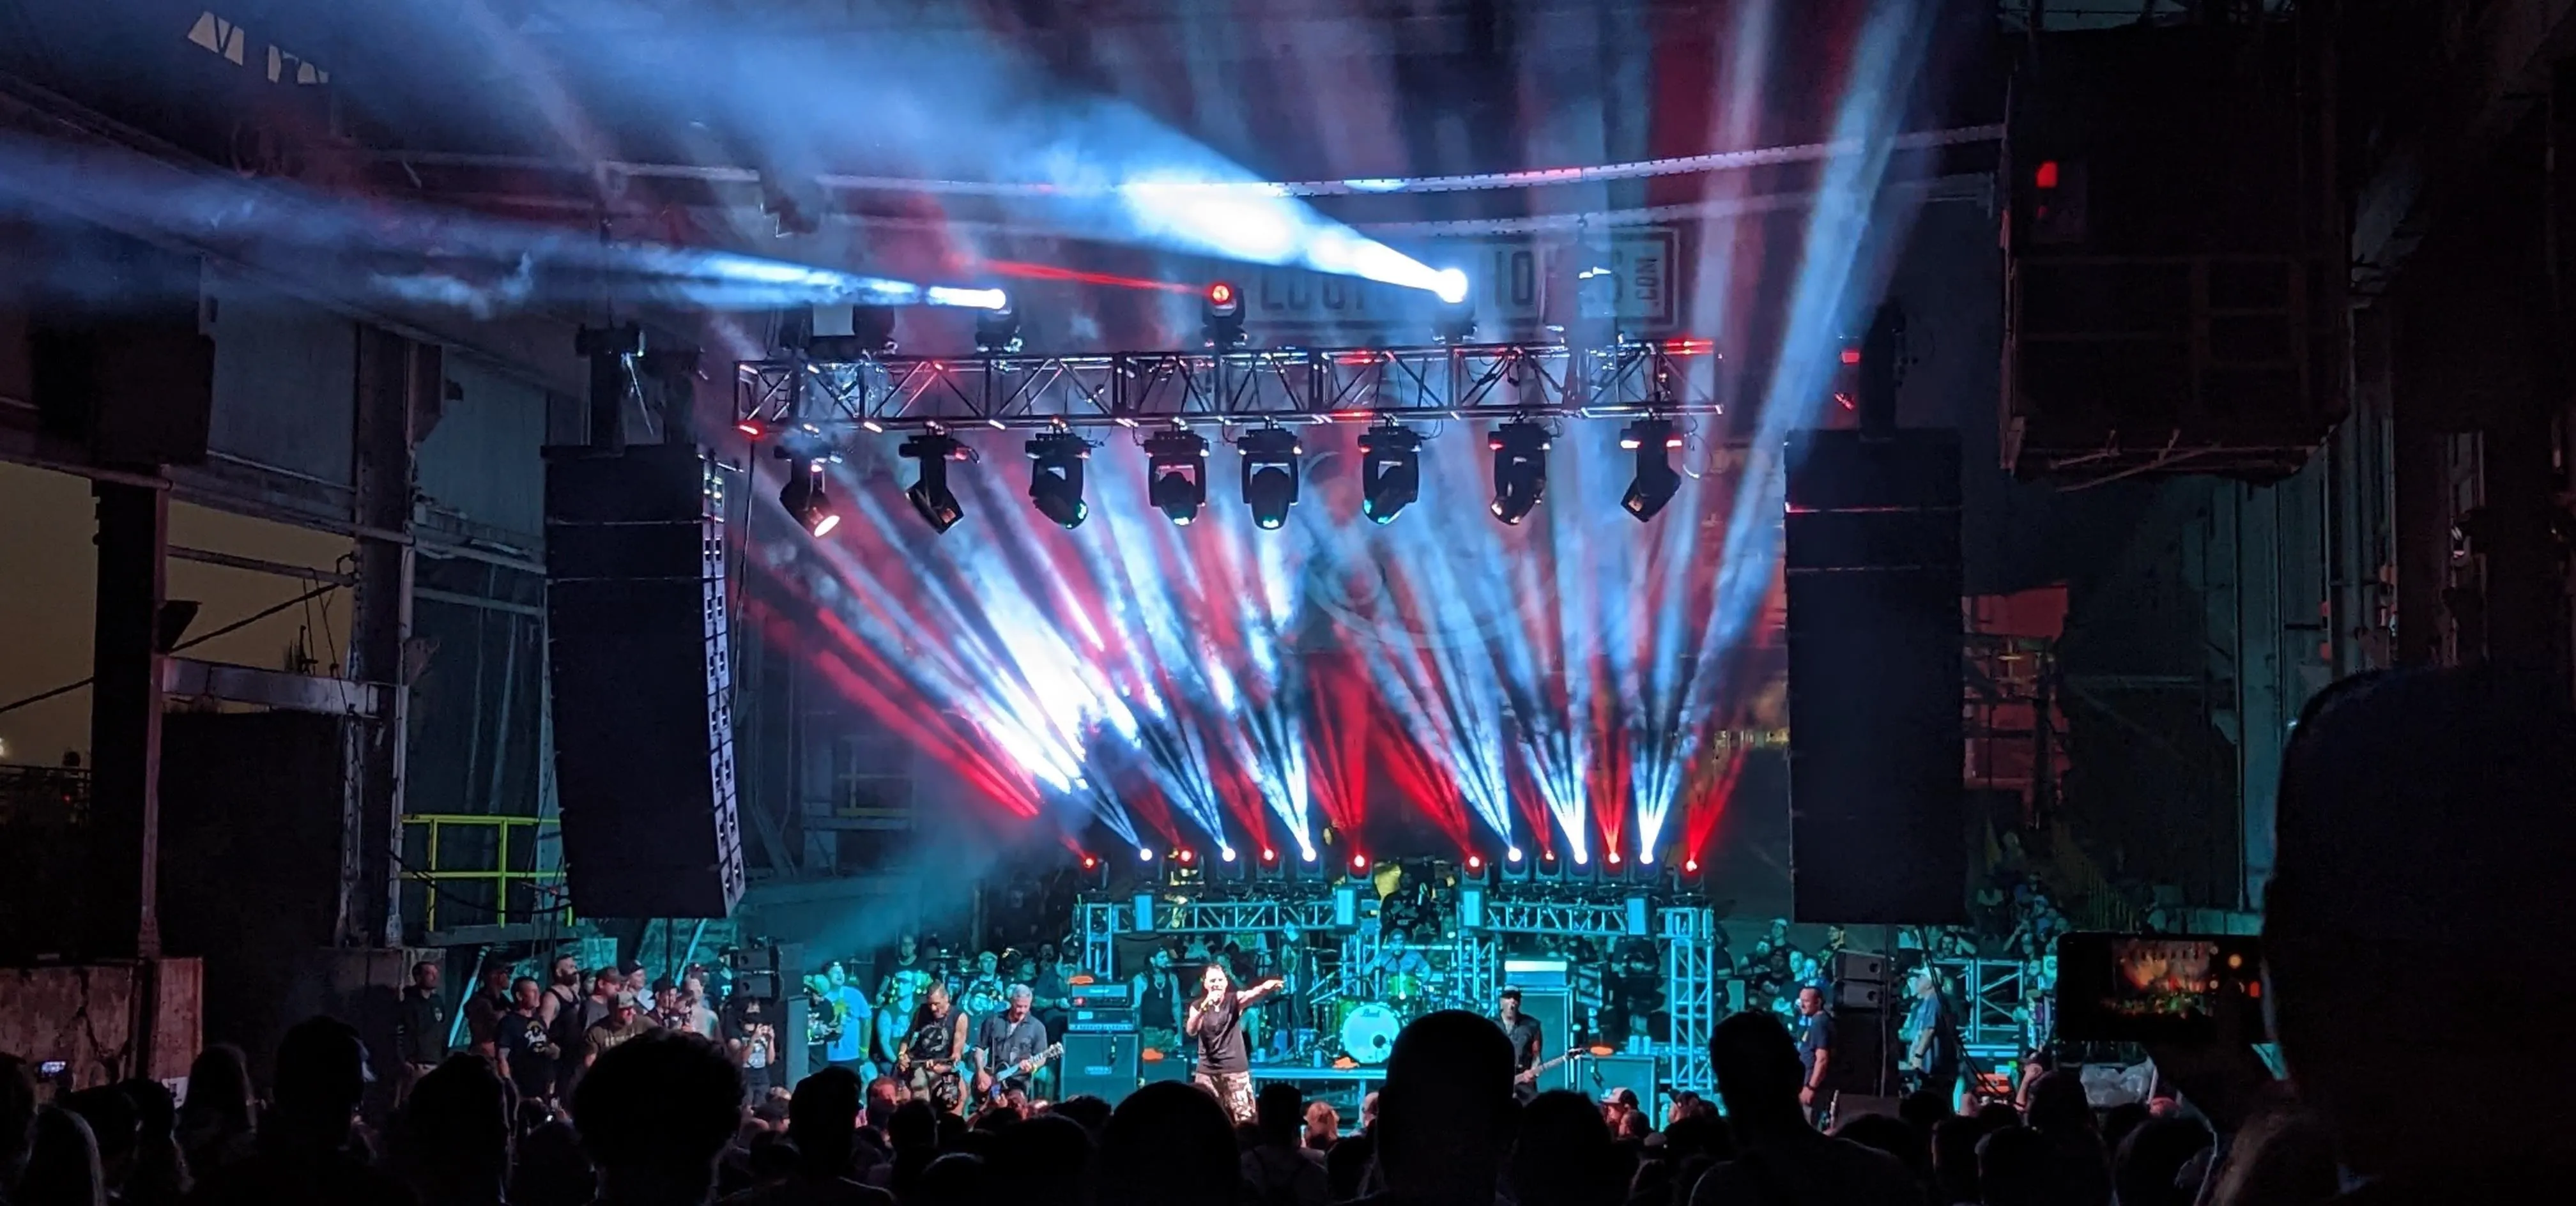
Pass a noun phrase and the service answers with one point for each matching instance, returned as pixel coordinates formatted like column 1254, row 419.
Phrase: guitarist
column 938, row 1044
column 1010, row 1048
column 1523, row 1030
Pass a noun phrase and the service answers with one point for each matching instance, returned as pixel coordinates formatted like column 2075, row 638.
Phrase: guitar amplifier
column 1097, row 995
column 1099, row 1065
column 1102, row 1019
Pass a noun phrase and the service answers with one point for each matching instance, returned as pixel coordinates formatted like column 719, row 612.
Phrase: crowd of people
column 2415, row 811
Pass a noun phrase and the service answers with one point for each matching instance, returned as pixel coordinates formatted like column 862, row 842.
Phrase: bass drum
column 1368, row 1033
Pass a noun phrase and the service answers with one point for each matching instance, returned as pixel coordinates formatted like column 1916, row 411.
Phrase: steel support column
column 395, row 375
column 125, row 724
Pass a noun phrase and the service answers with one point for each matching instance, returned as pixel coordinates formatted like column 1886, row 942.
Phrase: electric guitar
column 1530, row 1075
column 986, row 1083
column 1526, row 1083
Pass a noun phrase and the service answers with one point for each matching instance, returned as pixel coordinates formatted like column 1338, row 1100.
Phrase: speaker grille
column 639, row 644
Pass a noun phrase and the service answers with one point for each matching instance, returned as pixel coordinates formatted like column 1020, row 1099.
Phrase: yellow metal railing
column 544, row 887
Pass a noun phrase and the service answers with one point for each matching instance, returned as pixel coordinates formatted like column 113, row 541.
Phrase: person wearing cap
column 636, row 981
column 1013, row 1045
column 668, row 1010
column 625, row 1020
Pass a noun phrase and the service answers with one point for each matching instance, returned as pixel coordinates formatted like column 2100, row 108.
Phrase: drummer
column 1400, row 967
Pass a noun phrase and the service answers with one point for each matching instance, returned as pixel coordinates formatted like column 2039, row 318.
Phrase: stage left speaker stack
column 639, row 648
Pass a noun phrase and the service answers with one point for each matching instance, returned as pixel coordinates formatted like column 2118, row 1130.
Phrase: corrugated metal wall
column 285, row 381
column 481, row 461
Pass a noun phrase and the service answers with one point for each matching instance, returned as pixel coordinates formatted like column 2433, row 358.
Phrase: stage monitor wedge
column 1878, row 828
column 639, row 646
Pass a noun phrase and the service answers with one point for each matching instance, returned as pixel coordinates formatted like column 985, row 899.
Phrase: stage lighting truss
column 1653, row 442
column 1520, row 468
column 1489, row 381
column 1055, row 477
column 1176, row 473
column 1270, row 474
column 929, row 492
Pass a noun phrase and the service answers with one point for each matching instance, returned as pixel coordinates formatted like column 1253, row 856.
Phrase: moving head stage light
column 1055, row 477
column 808, row 499
column 1520, row 469
column 1270, row 474
column 1390, row 470
column 1176, row 473
column 1653, row 440
column 929, row 491
column 1222, row 326
column 997, row 332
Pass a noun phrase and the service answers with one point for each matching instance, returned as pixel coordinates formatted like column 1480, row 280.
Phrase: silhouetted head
column 1282, row 1113
column 823, row 1120
column 1757, row 1068
column 1169, row 1144
column 656, row 1110
column 2017, row 1166
column 2427, row 818
column 1565, row 1155
column 454, row 1130
column 62, row 1162
column 1445, row 1116
column 322, row 1074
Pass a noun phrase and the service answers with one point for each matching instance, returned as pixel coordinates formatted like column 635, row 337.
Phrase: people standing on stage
column 492, row 999
column 898, row 995
column 703, row 1018
column 931, row 1055
column 668, row 1013
column 1526, row 1037
column 1011, row 1047
column 1225, row 1059
column 752, row 1038
column 523, row 1045
column 1815, row 1034
column 1054, row 988
column 420, row 1029
column 984, row 991
column 1931, row 1035
column 849, row 1045
column 1156, row 996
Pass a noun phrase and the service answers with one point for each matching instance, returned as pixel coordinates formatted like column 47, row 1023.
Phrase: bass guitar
column 987, row 1084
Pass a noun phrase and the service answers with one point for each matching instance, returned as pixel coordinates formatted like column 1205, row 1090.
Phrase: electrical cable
column 192, row 642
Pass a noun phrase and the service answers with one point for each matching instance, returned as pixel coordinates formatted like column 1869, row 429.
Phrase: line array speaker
column 639, row 649
column 1877, row 816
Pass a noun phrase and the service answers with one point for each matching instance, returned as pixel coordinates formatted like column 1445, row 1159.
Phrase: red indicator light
column 749, row 429
column 1851, row 355
column 2046, row 176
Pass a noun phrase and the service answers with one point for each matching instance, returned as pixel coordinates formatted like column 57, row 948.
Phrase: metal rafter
column 1282, row 385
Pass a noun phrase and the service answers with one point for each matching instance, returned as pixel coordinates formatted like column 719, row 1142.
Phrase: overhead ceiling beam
column 2500, row 70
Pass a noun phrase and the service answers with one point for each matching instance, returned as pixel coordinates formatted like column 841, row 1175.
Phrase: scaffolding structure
column 1695, row 993
column 1276, row 385
column 1693, row 997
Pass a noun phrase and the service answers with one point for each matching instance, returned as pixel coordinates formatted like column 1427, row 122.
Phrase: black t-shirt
column 1815, row 1033
column 1006, row 1042
column 1524, row 1033
column 523, row 1041
column 1220, row 1032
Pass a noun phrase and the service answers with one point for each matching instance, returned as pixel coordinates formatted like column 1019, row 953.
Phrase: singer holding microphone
column 1216, row 1021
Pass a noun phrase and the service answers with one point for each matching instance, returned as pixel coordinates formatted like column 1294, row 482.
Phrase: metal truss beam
column 1283, row 385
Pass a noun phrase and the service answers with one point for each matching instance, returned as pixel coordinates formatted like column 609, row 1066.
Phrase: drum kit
column 1363, row 1013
